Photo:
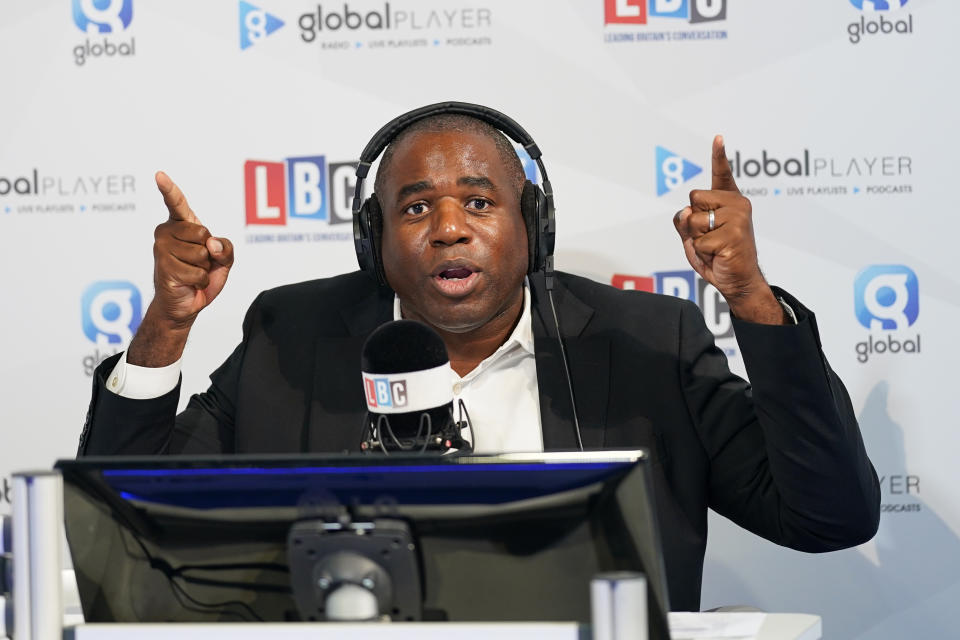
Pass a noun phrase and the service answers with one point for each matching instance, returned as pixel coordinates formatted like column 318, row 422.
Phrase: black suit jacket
column 783, row 458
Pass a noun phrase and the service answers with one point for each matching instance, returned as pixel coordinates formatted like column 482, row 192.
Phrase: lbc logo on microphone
column 381, row 392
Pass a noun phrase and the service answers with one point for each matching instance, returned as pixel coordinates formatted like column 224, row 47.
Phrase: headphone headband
column 389, row 131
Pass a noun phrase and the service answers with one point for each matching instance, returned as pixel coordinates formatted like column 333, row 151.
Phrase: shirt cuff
column 783, row 303
column 142, row 383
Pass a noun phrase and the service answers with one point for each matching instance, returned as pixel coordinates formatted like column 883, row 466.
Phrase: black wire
column 170, row 573
column 266, row 566
column 212, row 582
column 212, row 607
column 425, row 418
column 473, row 437
column 566, row 369
column 390, row 432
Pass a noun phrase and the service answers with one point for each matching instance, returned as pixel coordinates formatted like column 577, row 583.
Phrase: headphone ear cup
column 367, row 230
column 375, row 220
column 529, row 205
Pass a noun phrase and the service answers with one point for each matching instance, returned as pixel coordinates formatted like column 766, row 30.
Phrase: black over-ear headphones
column 536, row 204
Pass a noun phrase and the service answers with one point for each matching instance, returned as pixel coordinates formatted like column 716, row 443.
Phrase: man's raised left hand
column 725, row 253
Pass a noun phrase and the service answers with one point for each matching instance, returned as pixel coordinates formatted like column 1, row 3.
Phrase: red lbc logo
column 625, row 11
column 632, row 283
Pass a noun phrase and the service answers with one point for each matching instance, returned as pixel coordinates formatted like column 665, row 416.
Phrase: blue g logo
column 886, row 296
column 111, row 312
column 878, row 5
column 672, row 170
column 256, row 24
column 102, row 16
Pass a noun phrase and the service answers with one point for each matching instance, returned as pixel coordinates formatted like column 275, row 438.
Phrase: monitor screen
column 458, row 537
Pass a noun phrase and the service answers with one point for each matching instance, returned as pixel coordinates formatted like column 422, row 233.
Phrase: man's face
column 454, row 242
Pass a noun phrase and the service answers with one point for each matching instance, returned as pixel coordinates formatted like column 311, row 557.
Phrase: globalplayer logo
column 97, row 17
column 887, row 298
column 878, row 23
column 673, row 170
column 255, row 24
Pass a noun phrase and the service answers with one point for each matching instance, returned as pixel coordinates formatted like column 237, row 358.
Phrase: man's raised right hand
column 190, row 270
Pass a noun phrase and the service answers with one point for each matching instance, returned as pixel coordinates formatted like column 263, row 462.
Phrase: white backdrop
column 837, row 113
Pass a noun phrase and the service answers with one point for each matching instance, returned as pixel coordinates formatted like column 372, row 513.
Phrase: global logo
column 886, row 297
column 102, row 16
column 878, row 5
column 111, row 312
column 879, row 25
column 673, row 170
column 255, row 24
column 98, row 17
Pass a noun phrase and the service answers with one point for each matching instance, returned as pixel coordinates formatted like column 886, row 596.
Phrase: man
column 783, row 458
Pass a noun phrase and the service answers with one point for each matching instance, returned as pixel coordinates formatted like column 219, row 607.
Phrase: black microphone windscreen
column 401, row 346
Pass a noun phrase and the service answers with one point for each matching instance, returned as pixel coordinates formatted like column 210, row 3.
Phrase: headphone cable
column 566, row 366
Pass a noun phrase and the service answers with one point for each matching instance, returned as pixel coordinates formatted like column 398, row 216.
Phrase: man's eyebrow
column 414, row 187
column 477, row 181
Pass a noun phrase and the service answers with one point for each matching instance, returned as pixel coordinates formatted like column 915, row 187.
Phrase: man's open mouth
column 456, row 279
column 458, row 273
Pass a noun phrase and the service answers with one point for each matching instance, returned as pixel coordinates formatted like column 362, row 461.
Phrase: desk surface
column 776, row 626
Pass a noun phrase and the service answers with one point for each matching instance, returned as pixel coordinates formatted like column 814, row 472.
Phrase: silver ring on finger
column 711, row 221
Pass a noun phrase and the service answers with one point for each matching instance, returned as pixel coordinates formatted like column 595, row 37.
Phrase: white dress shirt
column 501, row 393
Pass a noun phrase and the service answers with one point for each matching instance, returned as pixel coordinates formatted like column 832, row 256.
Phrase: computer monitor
column 458, row 537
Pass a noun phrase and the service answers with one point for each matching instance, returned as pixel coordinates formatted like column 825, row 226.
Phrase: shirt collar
column 522, row 335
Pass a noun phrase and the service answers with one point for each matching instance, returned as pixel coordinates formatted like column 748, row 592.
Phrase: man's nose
column 449, row 223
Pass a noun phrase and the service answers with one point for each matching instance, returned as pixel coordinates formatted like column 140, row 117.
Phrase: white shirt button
column 457, row 388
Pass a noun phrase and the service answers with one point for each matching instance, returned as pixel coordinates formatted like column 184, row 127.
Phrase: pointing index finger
column 722, row 173
column 174, row 199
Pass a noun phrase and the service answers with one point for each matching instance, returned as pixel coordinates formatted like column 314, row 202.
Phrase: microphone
column 407, row 386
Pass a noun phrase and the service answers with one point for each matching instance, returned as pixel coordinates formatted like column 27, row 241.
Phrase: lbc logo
column 306, row 187
column 637, row 11
column 383, row 393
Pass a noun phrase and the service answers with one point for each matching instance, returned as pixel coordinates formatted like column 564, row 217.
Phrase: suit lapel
column 589, row 359
column 338, row 406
